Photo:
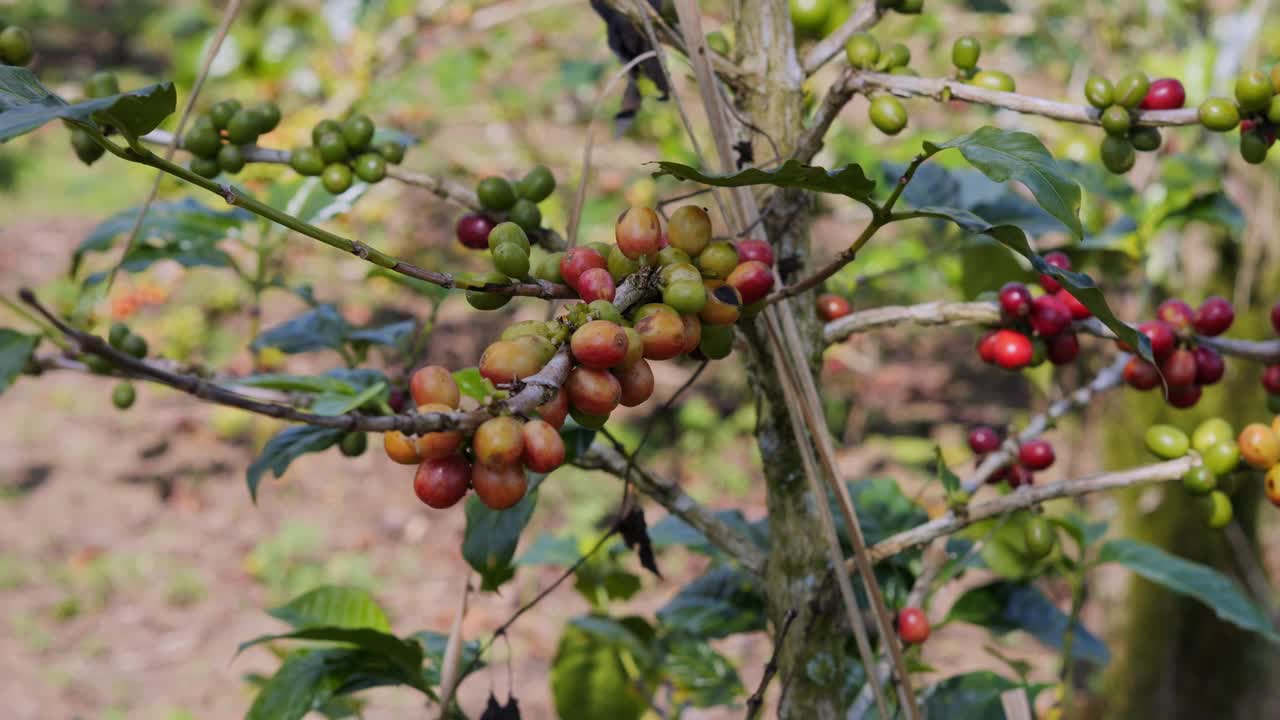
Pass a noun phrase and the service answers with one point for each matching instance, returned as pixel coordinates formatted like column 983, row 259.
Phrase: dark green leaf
column 973, row 696
column 391, row 334
column 589, row 680
column 968, row 189
column 576, row 439
column 339, row 403
column 1005, row 606
column 882, row 509
column 472, row 384
column 491, row 538
column 1005, row 155
column 321, row 328
column 434, row 645
column 25, row 105
column 334, row 606
column 548, row 550
column 308, row 680
column 405, row 655
column 1214, row 208
column 848, row 180
column 15, row 350
column 285, row 447
column 723, row 601
column 183, row 230
column 1201, row 582
column 702, row 675
column 614, row 632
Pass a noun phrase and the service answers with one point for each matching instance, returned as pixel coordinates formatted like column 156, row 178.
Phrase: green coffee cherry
column 1253, row 91
column 495, row 193
column 1253, row 147
column 1099, row 92
column 1217, row 509
column 102, row 84
column 268, row 114
column 336, row 178
column 508, row 232
column 333, row 149
column 898, row 55
column 98, row 364
column 306, row 161
column 1116, row 121
column 1145, row 139
column 1039, row 536
column 718, row 42
column 537, row 185
column 1117, row 154
column 862, row 50
column 243, row 127
column 231, row 159
column 526, row 214
column 1131, row 89
column 965, row 53
column 371, row 167
column 1222, row 457
column 605, row 310
column 202, row 142
column 993, row 80
column 688, row 297
column 353, row 444
column 716, row 342
column 587, row 420
column 887, row 114
column 1273, row 109
column 483, row 300
column 672, row 255
column 16, row 47
column 1199, row 480
column 392, row 151
column 123, row 395
column 222, row 112
column 134, row 345
column 1211, row 432
column 1167, row 441
column 619, row 265
column 87, row 149
column 322, row 128
column 357, row 131
column 205, row 167
column 1219, row 115
column 511, row 260
column 117, row 335
column 549, row 268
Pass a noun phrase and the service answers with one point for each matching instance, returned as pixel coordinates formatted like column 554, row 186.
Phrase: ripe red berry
column 1015, row 300
column 434, row 384
column 498, row 441
column 752, row 279
column 1049, row 316
column 1164, row 94
column 442, row 482
column 1161, row 336
column 596, row 284
column 983, row 439
column 473, row 231
column 1036, row 455
column 1275, row 317
column 1271, row 379
column 636, row 382
column 639, row 232
column 832, row 307
column 1075, row 307
column 755, row 250
column 1184, row 396
column 499, row 487
column 591, row 391
column 662, row 333
column 1210, row 366
column 1179, row 368
column 599, row 344
column 913, row 626
column 578, row 260
column 555, row 410
column 1141, row 374
column 1010, row 349
column 1018, row 475
column 1063, row 348
column 1214, row 316
column 1057, row 260
column 508, row 360
column 987, row 346
column 1176, row 313
column 543, row 447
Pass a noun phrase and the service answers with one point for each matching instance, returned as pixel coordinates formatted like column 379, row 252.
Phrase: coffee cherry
column 578, row 260
column 391, row 151
column 1253, row 91
column 717, row 341
column 986, row 347
column 983, row 440
column 638, row 232
column 1271, row 379
column 599, row 344
column 1175, row 313
column 1184, row 396
column 473, row 230
column 603, row 248
column 87, row 149
column 510, row 260
column 752, row 279
column 808, row 17
column 400, row 447
column 1015, row 300
column 1218, row 115
column 555, row 410
column 508, row 232
column 636, row 383
column 689, row 230
column 16, row 47
column 755, row 250
column 692, row 333
column 537, row 184
column 648, row 309
column 370, row 167
column 1199, row 480
column 506, row 361
column 243, row 130
column 912, row 625
column 1179, row 368
column 1273, row 112
column 1253, row 147
column 353, row 444
column 832, row 307
column 230, row 159
column 1011, row 350
column 717, row 261
column 202, row 142
column 357, row 131
column 134, row 345
column 1145, row 139
column 1039, row 536
column 862, row 50
column 543, row 447
column 993, row 80
column 1161, row 336
column 1166, row 441
column 678, row 272
column 434, row 384
column 1036, row 454
column 724, row 304
column 537, row 346
column 1049, row 316
column 433, row 445
column 1132, row 89
column 1063, row 348
column 1117, row 154
column 442, row 482
column 1212, row 432
column 1164, row 94
column 596, row 284
column 1210, row 366
column 123, row 395
column 1039, row 351
column 1018, row 475
column 1217, row 509
column 619, row 265
column 965, row 52
column 896, row 56
column 1221, row 458
column 336, row 178
column 204, row 167
column 498, row 441
column 1116, row 121
column 267, row 114
column 672, row 256
column 495, row 193
column 887, row 114
column 1060, row 261
column 593, row 391
column 685, row 296
column 499, row 487
column 1214, row 316
column 662, row 334
column 1077, row 309
column 1099, row 92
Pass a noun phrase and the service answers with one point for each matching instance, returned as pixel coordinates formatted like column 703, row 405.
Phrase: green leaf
column 577, row 439
column 590, row 681
column 849, row 180
column 882, row 509
column 1005, row 155
column 25, row 105
column 619, row 634
column 950, row 482
column 309, row 679
column 1214, row 208
column 548, row 550
column 491, row 538
column 392, row 334
column 184, row 230
column 704, row 677
column 339, row 403
column 335, row 606
column 472, row 384
column 321, row 328
column 973, row 696
column 285, row 447
column 405, row 656
column 723, row 601
column 1201, row 582
column 671, row 531
column 1004, row 606
column 434, row 645
column 1081, row 285
column 15, row 350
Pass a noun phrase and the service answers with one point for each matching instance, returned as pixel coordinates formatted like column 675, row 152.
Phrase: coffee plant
column 1068, row 277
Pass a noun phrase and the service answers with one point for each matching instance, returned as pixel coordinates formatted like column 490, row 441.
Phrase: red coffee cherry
column 578, row 260
column 1049, row 316
column 594, row 392
column 1184, row 396
column 596, row 284
column 1161, row 336
column 1057, row 260
column 987, row 347
column 1075, row 307
column 1140, row 374
column 1018, row 475
column 1271, row 379
column 1015, row 300
column 400, row 447
column 599, row 344
column 1164, row 94
column 473, row 231
column 499, row 487
column 635, row 348
column 1214, row 316
column 555, row 410
column 442, row 482
column 638, row 232
column 759, row 250
column 1010, row 349
column 832, row 307
column 692, row 333
column 1063, row 348
column 543, row 447
column 662, row 334
column 434, row 384
column 752, row 279
column 434, row 445
column 498, row 441
column 636, row 382
column 1179, row 368
column 1036, row 455
column 507, row 360
column 1176, row 313
column 1210, row 367
column 983, row 439
column 912, row 625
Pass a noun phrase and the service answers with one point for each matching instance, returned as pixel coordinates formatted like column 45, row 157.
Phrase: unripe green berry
column 898, row 55
column 537, row 185
column 87, row 149
column 511, row 260
column 205, row 167
column 1131, row 89
column 495, row 193
column 965, row 52
column 1117, row 154
column 102, row 84
column 333, row 149
column 202, row 142
column 336, row 178
column 123, row 395
column 222, row 112
column 357, row 132
column 526, row 214
column 1116, row 121
column 1253, row 148
column 888, row 114
column 392, row 151
column 370, row 167
column 306, row 161
column 1219, row 114
column 322, row 128
column 508, row 232
column 994, row 80
column 231, row 159
column 862, row 50
column 243, row 127
column 134, row 345
column 1253, row 91
column 1099, row 92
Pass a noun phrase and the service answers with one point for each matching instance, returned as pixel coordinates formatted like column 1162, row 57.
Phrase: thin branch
column 732, row 73
column 756, row 701
column 1028, row 496
column 820, row 275
column 867, row 14
column 838, row 95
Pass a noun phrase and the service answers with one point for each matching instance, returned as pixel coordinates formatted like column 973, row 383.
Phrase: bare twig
column 756, row 701
column 867, row 14
column 453, row 653
column 932, row 313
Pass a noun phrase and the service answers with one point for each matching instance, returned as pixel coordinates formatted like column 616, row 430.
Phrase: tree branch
column 867, row 14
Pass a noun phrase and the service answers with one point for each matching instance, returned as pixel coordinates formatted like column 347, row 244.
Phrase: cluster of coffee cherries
column 1033, row 455
column 16, row 47
column 1220, row 453
column 1117, row 101
column 99, row 85
column 1038, row 328
column 516, row 202
column 218, row 136
column 1256, row 111
column 341, row 152
column 1186, row 365
column 863, row 52
column 126, row 341
column 832, row 307
column 965, row 52
column 494, row 461
column 1271, row 373
column 814, row 19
